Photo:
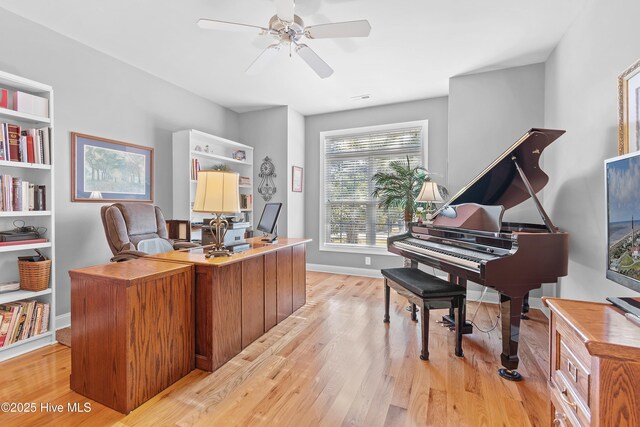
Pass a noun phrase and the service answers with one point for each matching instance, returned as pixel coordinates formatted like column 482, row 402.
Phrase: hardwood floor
column 334, row 362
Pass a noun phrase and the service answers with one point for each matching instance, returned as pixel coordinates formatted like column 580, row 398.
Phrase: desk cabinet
column 594, row 367
column 239, row 298
column 133, row 330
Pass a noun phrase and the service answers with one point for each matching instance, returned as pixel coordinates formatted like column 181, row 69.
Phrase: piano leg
column 424, row 354
column 525, row 307
column 510, row 311
column 387, row 297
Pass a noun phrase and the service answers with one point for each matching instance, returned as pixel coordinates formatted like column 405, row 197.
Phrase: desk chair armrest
column 128, row 255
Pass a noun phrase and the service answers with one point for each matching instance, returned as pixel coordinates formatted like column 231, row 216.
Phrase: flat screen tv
column 622, row 187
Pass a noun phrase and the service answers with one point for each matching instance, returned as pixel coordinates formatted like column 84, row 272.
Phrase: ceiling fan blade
column 263, row 59
column 285, row 9
column 322, row 69
column 212, row 24
column 339, row 29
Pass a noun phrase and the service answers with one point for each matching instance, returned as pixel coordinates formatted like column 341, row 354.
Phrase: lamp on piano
column 430, row 194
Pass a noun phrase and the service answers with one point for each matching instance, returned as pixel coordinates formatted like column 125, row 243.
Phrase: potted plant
column 399, row 187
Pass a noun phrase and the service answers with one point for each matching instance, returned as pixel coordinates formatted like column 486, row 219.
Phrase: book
column 45, row 319
column 13, row 136
column 25, row 196
column 3, row 156
column 23, row 242
column 30, row 155
column 38, row 325
column 40, row 198
column 4, row 98
column 31, row 196
column 15, row 311
column 30, row 306
column 4, row 326
column 19, row 325
column 17, row 194
column 30, row 104
column 9, row 286
column 46, row 145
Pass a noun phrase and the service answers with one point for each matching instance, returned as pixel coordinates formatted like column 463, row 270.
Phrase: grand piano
column 468, row 239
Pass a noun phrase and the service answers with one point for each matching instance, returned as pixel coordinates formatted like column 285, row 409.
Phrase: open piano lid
column 500, row 182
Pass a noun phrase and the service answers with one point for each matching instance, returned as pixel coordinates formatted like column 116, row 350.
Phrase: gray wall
column 295, row 157
column 581, row 97
column 434, row 110
column 266, row 131
column 487, row 113
column 99, row 95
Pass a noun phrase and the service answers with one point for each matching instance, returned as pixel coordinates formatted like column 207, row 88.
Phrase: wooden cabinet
column 270, row 291
column 240, row 297
column 594, row 367
column 133, row 330
column 252, row 300
column 299, row 264
column 285, row 283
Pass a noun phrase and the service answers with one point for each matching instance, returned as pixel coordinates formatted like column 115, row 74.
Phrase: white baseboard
column 491, row 297
column 351, row 271
column 63, row 321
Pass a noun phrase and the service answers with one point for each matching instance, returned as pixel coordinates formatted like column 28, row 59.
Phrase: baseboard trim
column 350, row 271
column 491, row 297
column 63, row 321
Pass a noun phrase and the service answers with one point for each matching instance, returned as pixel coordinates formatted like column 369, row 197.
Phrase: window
column 350, row 219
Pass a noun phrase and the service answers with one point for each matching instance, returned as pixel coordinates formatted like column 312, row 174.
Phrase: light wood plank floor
column 334, row 362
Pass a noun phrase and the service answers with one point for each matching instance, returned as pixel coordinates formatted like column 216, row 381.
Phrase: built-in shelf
column 204, row 155
column 24, row 213
column 47, row 334
column 15, row 248
column 24, row 165
column 20, row 295
column 24, row 117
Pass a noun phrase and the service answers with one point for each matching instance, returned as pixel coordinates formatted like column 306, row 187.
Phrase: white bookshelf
column 211, row 151
column 38, row 174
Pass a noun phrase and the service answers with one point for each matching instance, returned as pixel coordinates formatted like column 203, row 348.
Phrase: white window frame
column 360, row 249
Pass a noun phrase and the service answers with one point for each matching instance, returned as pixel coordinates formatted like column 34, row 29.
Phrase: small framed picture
column 239, row 155
column 104, row 170
column 296, row 180
column 629, row 109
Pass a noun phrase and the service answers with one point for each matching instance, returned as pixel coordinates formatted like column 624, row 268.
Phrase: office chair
column 134, row 230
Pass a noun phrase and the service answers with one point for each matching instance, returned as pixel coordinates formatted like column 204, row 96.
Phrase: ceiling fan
column 288, row 29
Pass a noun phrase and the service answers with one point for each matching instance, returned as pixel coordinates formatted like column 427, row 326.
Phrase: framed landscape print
column 103, row 170
column 296, row 185
column 629, row 109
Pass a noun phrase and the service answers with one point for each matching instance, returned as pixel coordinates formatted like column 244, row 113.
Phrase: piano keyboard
column 465, row 257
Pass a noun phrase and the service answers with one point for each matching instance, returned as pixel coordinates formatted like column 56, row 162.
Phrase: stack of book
column 25, row 145
column 195, row 168
column 17, row 195
column 21, row 320
column 246, row 201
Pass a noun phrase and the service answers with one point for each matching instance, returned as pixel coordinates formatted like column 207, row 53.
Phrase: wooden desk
column 133, row 330
column 240, row 297
column 594, row 371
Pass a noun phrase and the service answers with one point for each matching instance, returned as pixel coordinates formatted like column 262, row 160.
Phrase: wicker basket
column 34, row 276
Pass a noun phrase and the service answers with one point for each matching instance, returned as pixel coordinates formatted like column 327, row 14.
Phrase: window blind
column 352, row 216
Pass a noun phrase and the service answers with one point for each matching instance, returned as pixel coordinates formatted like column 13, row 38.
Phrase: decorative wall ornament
column 267, row 187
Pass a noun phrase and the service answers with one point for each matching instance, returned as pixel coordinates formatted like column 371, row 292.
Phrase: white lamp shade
column 429, row 193
column 217, row 192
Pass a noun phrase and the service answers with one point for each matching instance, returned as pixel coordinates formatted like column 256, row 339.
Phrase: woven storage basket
column 34, row 276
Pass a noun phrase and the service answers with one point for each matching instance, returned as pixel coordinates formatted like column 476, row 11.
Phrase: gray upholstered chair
column 134, row 230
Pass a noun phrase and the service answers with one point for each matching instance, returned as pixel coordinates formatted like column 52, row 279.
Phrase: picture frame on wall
column 629, row 109
column 104, row 170
column 296, row 179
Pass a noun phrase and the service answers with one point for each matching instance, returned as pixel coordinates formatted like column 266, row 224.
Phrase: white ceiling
column 413, row 49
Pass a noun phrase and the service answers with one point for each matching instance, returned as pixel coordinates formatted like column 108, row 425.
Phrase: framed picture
column 629, row 109
column 296, row 184
column 103, row 170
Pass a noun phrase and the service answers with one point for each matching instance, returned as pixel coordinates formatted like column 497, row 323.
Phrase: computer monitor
column 269, row 220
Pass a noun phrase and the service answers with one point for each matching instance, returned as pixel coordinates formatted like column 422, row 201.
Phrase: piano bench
column 428, row 292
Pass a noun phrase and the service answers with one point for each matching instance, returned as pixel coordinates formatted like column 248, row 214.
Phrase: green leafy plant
column 399, row 187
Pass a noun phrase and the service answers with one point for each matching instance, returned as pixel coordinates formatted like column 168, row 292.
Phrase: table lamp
column 217, row 192
column 430, row 194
